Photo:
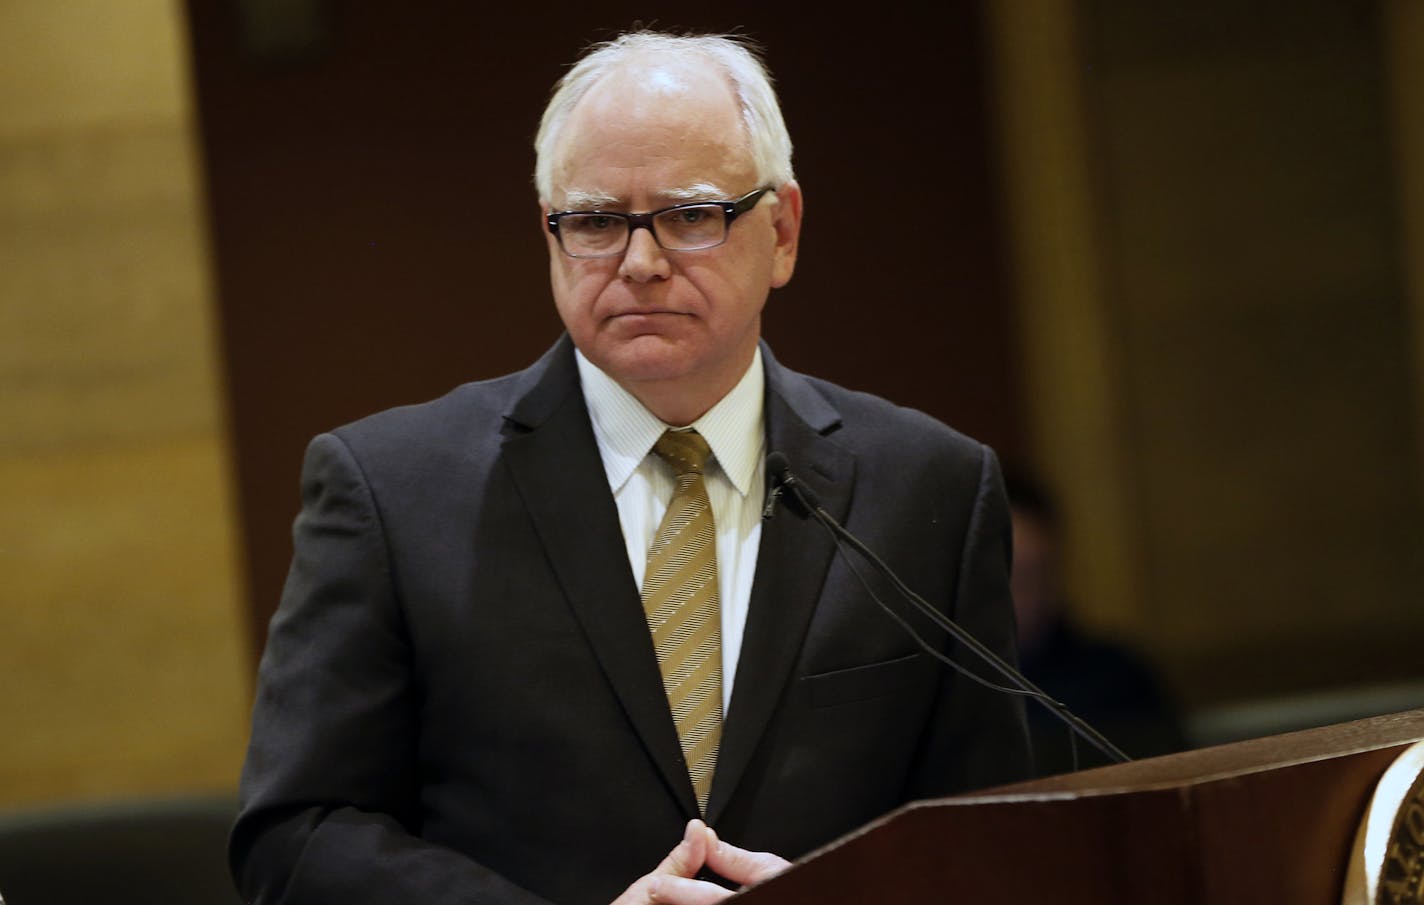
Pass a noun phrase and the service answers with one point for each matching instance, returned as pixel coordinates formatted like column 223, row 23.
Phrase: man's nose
column 644, row 260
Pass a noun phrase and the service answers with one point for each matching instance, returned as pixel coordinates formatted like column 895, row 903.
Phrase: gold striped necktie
column 680, row 601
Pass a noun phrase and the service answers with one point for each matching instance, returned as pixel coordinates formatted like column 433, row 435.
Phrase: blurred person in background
column 1106, row 683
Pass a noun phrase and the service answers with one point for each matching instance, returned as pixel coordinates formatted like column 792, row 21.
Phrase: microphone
column 778, row 470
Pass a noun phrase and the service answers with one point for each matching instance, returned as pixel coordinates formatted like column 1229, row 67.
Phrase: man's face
column 1033, row 579
column 646, row 138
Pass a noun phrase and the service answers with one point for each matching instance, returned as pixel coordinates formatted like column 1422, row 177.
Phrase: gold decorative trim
column 1387, row 862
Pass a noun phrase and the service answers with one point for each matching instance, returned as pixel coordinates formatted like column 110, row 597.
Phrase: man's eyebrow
column 577, row 200
column 586, row 200
column 701, row 191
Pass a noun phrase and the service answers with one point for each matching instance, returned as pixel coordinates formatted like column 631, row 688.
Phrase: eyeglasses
column 682, row 227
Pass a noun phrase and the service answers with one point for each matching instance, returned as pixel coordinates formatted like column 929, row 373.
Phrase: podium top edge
column 1218, row 763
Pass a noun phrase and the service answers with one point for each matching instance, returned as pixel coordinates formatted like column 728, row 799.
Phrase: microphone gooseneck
column 784, row 483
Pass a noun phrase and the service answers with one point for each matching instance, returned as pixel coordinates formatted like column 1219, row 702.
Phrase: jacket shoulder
column 893, row 435
column 452, row 431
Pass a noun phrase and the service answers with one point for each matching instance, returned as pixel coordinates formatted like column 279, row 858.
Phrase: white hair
column 737, row 58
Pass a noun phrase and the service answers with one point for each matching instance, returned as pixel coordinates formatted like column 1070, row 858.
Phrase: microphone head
column 777, row 468
column 803, row 498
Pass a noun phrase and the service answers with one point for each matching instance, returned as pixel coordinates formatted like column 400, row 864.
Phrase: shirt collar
column 626, row 431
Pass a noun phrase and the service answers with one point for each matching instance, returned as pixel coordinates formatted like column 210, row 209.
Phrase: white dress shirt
column 642, row 484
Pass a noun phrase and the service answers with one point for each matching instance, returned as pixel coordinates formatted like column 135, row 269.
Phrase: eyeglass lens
column 679, row 229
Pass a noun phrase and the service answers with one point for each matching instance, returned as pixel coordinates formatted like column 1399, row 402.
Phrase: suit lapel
column 553, row 458
column 792, row 561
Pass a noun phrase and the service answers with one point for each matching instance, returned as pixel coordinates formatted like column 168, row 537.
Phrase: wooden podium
column 1270, row 820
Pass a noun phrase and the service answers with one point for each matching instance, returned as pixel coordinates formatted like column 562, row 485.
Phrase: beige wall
column 122, row 668
column 1403, row 24
column 1069, row 350
column 1217, row 334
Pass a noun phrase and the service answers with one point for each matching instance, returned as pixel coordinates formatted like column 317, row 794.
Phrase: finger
column 667, row 889
column 740, row 865
column 690, row 854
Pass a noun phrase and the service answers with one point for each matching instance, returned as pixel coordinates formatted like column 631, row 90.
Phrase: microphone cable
column 780, row 471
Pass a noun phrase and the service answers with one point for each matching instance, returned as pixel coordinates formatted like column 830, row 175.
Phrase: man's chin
column 643, row 359
column 648, row 370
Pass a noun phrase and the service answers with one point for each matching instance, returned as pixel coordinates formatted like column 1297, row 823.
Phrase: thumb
column 690, row 854
column 741, row 866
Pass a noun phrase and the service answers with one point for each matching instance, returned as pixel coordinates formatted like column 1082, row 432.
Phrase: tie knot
column 685, row 451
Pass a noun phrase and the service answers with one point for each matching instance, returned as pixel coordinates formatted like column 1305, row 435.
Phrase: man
column 536, row 632
column 1105, row 682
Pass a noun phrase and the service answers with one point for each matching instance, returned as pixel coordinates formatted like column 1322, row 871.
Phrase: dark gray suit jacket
column 459, row 701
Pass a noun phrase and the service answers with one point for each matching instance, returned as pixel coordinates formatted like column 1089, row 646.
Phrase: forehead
column 654, row 126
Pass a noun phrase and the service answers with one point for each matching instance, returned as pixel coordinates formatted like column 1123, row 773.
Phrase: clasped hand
column 672, row 883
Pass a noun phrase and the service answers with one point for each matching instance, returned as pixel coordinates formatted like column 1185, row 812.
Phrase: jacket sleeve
column 330, row 809
column 979, row 737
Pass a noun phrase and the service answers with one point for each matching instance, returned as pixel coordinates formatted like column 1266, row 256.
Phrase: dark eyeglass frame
column 731, row 209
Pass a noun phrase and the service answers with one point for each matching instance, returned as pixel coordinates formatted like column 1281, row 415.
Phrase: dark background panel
column 377, row 239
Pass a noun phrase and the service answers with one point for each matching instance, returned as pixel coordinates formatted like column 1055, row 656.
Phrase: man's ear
column 544, row 228
column 786, row 220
